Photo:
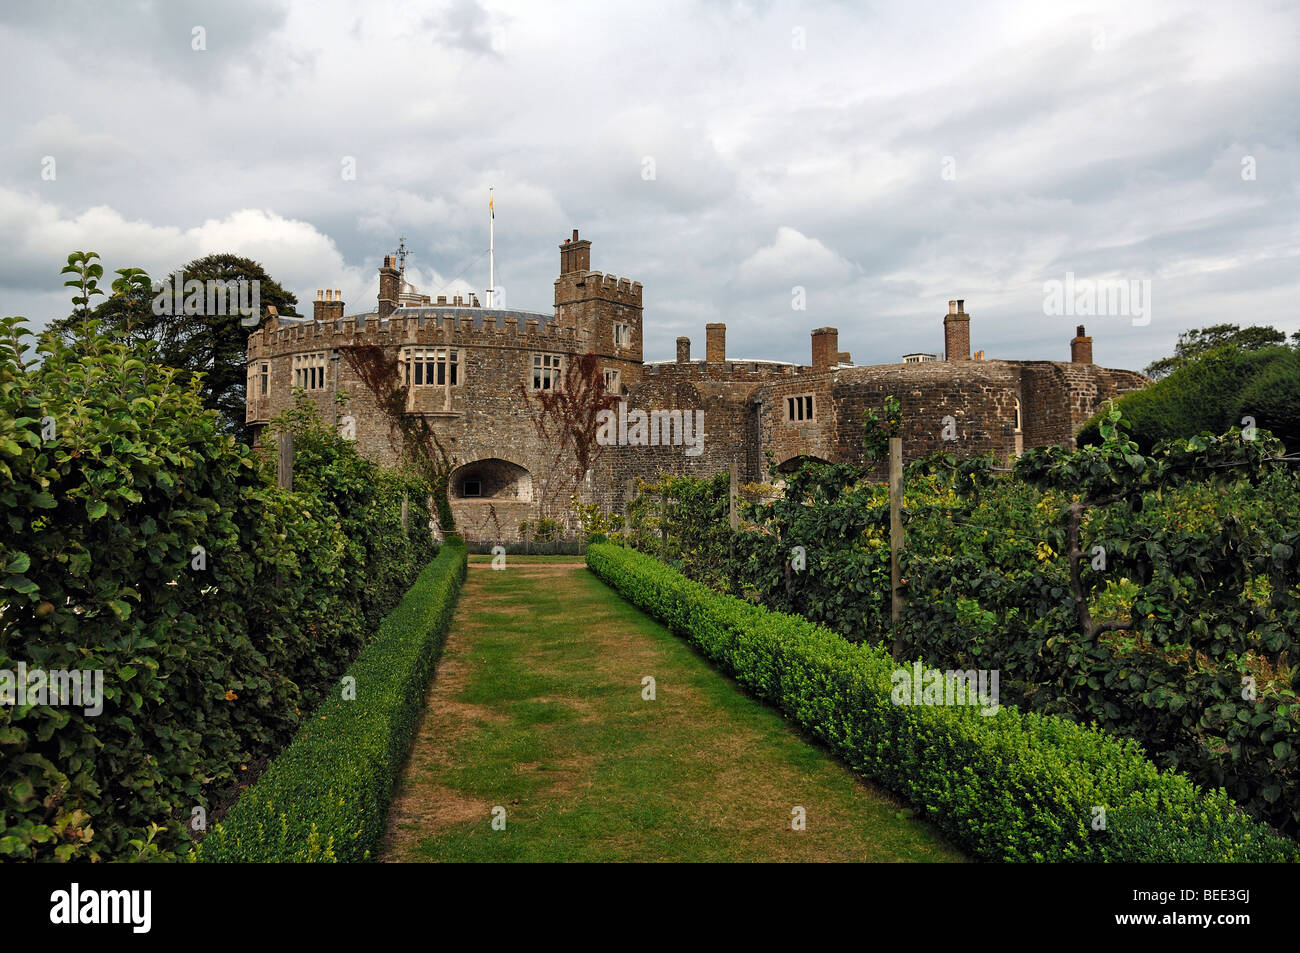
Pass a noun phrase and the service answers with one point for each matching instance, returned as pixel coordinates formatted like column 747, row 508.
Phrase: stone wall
column 980, row 397
column 487, row 421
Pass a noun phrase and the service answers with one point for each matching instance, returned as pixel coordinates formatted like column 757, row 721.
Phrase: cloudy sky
column 884, row 158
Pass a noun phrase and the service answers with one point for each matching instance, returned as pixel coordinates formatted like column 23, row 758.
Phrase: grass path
column 537, row 707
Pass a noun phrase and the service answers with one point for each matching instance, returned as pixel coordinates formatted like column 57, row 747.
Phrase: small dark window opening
column 472, row 487
column 799, row 408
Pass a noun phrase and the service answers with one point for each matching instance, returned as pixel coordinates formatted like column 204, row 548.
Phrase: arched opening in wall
column 793, row 464
column 491, row 480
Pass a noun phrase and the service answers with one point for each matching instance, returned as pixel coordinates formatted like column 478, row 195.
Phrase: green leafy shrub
column 1273, row 400
column 325, row 798
column 1210, row 395
column 139, row 540
column 1012, row 786
column 1192, row 657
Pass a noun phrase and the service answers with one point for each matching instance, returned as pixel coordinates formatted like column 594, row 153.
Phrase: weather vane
column 401, row 254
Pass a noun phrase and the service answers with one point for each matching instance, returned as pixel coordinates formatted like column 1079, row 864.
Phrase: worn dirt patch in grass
column 419, row 804
column 449, row 723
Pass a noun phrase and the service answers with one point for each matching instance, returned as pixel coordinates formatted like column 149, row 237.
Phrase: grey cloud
column 463, row 24
column 159, row 33
column 1120, row 162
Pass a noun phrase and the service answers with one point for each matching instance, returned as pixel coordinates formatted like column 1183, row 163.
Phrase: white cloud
column 792, row 257
column 36, row 237
column 775, row 165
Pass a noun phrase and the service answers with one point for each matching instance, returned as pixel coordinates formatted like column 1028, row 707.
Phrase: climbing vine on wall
column 566, row 418
column 420, row 446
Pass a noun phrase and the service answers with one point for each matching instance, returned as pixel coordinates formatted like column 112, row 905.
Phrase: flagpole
column 492, row 273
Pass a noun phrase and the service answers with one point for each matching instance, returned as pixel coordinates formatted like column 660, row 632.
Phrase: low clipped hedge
column 1013, row 786
column 325, row 798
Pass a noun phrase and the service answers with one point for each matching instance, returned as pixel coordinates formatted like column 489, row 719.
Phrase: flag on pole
column 490, row 208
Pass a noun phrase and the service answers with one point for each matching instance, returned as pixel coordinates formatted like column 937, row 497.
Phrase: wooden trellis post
column 896, row 540
column 663, row 524
column 733, row 498
column 284, row 469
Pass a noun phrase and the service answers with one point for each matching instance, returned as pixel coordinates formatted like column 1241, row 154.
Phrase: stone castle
column 469, row 372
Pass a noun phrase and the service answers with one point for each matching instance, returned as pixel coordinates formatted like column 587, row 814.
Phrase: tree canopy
column 213, row 344
column 1195, row 343
column 1212, row 393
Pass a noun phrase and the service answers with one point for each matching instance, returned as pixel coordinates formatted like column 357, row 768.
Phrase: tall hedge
column 141, row 542
column 1012, row 786
column 1211, row 395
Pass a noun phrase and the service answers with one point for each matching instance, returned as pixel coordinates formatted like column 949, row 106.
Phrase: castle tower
column 607, row 307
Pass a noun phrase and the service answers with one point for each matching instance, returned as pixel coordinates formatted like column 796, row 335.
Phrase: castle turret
column 607, row 307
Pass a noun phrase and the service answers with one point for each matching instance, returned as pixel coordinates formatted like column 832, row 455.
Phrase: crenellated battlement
column 473, row 372
column 615, row 285
column 462, row 327
column 589, row 285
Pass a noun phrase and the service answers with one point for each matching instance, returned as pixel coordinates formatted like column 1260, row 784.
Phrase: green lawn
column 538, row 708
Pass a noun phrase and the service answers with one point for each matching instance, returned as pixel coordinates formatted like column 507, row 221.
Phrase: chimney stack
column 328, row 305
column 390, row 285
column 825, row 348
column 715, row 343
column 683, row 350
column 1081, row 347
column 575, row 255
column 956, row 332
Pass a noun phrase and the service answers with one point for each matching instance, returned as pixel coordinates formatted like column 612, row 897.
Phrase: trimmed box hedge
column 326, row 797
column 1013, row 786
